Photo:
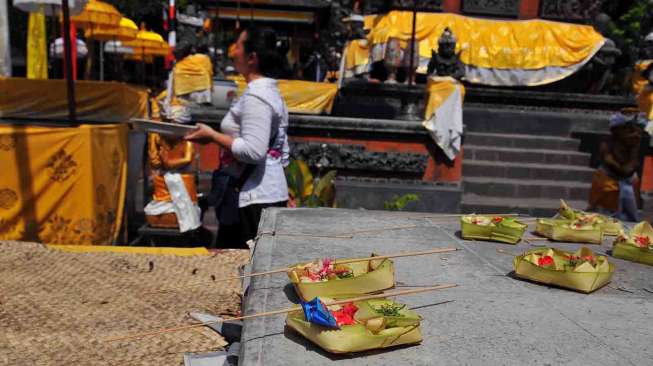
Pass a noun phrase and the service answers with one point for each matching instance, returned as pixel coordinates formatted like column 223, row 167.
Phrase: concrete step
column 526, row 188
column 521, row 141
column 500, row 169
column 526, row 155
column 538, row 207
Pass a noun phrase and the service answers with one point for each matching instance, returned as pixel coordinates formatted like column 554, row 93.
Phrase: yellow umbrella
column 147, row 45
column 97, row 13
column 147, row 39
column 126, row 30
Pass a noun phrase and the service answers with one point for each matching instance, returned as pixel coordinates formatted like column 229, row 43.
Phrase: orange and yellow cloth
column 495, row 52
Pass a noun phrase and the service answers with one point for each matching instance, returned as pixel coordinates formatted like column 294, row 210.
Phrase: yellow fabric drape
column 193, row 73
column 182, row 252
column 46, row 100
column 525, row 44
column 302, row 96
column 638, row 82
column 645, row 101
column 67, row 185
column 357, row 56
column 37, row 57
column 437, row 91
column 494, row 52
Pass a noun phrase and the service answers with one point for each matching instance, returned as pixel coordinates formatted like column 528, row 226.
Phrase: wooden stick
column 459, row 215
column 282, row 311
column 383, row 229
column 345, row 261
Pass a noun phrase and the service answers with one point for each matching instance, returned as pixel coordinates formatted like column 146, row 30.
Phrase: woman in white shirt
column 254, row 142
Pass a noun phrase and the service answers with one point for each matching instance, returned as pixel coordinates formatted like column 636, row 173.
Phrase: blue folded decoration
column 317, row 313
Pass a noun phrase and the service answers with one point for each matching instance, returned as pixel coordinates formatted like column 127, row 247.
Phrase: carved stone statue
column 600, row 67
column 446, row 62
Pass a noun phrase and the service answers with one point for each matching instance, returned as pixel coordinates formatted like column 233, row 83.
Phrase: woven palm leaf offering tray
column 610, row 225
column 495, row 228
column 358, row 325
column 637, row 245
column 581, row 271
column 575, row 231
column 332, row 278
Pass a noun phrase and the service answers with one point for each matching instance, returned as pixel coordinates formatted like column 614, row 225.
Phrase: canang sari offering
column 357, row 326
column 581, row 271
column 637, row 245
column 609, row 225
column 328, row 278
column 577, row 231
column 496, row 228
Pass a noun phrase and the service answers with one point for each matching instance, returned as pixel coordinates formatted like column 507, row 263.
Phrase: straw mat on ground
column 56, row 307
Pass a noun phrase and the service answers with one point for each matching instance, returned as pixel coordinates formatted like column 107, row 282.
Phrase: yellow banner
column 37, row 57
column 67, row 185
column 306, row 97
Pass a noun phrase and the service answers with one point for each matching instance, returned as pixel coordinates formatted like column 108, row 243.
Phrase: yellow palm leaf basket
column 372, row 330
column 495, row 228
column 564, row 230
column 581, row 276
column 610, row 225
column 637, row 246
column 368, row 277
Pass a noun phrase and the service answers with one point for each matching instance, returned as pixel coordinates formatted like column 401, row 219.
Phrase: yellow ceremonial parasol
column 125, row 31
column 96, row 14
column 147, row 45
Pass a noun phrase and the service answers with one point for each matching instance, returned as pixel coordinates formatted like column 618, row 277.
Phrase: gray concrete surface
column 493, row 320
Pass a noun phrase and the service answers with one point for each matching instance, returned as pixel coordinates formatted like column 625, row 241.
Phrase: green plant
column 305, row 190
column 398, row 203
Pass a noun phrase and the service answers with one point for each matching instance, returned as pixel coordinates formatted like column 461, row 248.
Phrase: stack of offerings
column 577, row 226
column 355, row 325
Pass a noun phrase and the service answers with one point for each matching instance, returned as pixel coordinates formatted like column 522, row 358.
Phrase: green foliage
column 306, row 190
column 398, row 203
column 627, row 26
column 390, row 309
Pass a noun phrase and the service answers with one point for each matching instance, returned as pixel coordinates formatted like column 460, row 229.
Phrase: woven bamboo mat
column 57, row 307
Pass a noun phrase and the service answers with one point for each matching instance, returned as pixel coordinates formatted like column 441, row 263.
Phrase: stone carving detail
column 353, row 157
column 570, row 9
column 504, row 8
column 446, row 62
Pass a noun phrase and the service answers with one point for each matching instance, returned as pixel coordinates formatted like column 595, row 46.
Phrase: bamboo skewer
column 280, row 270
column 459, row 215
column 282, row 311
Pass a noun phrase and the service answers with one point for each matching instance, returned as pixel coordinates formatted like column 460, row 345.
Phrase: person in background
column 253, row 137
column 615, row 183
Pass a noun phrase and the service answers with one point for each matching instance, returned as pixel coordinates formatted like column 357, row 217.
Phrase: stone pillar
column 5, row 47
column 529, row 9
column 451, row 6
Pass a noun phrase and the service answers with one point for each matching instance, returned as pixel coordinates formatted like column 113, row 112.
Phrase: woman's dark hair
column 271, row 56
